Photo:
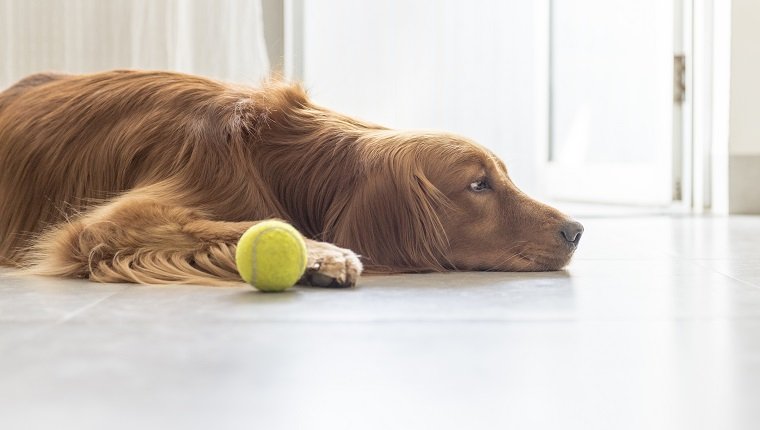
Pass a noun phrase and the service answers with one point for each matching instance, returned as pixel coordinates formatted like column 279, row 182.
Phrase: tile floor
column 655, row 325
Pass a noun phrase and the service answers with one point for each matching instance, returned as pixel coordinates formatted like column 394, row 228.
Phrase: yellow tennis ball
column 271, row 256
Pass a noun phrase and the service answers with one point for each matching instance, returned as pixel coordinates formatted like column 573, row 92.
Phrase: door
column 614, row 119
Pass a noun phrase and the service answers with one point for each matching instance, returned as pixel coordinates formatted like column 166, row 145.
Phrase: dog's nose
column 572, row 232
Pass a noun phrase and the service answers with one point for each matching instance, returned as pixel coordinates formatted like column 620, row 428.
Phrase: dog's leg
column 137, row 238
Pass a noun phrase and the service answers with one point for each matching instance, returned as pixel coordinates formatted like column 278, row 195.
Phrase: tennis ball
column 271, row 256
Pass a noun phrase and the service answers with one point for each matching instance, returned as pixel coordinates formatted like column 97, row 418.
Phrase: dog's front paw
column 330, row 266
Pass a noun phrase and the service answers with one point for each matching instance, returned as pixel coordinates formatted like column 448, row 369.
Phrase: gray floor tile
column 655, row 325
column 628, row 375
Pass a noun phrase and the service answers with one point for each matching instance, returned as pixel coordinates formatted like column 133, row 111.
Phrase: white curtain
column 216, row 38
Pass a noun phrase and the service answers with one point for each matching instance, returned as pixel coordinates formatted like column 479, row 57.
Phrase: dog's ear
column 392, row 220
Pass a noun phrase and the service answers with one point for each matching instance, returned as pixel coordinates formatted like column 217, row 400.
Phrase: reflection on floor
column 655, row 325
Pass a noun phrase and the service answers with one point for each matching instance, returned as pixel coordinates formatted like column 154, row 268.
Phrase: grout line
column 697, row 262
column 76, row 312
column 46, row 326
column 349, row 322
column 733, row 277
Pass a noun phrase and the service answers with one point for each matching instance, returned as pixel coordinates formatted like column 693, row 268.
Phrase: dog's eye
column 479, row 185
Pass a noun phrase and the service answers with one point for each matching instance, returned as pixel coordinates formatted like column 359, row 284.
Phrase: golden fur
column 153, row 176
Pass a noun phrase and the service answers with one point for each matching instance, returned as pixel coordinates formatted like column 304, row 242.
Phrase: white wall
column 461, row 66
column 745, row 78
column 744, row 109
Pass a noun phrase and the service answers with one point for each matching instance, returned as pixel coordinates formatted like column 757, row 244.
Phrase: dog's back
column 69, row 141
column 17, row 198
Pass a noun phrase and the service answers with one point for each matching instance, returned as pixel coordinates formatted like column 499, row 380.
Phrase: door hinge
column 677, row 191
column 679, row 78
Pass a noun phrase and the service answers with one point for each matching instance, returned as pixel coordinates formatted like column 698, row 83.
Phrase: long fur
column 84, row 158
column 153, row 176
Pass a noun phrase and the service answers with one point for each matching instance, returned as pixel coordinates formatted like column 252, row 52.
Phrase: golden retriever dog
column 151, row 177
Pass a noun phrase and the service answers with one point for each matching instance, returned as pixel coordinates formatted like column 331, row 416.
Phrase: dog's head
column 434, row 201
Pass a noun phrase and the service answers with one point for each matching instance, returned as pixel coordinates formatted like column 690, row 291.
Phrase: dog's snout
column 572, row 232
